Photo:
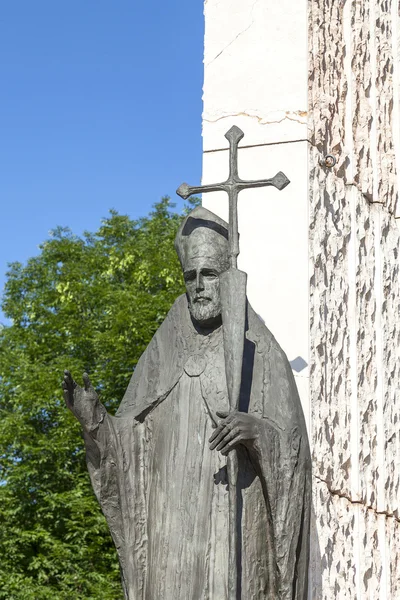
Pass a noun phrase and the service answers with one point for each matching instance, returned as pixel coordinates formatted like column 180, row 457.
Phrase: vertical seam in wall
column 373, row 134
column 309, row 416
column 352, row 194
column 308, row 147
column 396, row 94
column 349, row 140
column 314, row 567
column 380, row 491
column 353, row 365
column 352, row 260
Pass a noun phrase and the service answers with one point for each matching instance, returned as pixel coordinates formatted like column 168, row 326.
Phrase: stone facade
column 355, row 298
column 303, row 80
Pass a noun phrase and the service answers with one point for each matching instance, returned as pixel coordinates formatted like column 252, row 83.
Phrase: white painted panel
column 255, row 70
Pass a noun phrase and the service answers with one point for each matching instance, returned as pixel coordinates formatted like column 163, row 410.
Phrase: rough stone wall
column 355, row 298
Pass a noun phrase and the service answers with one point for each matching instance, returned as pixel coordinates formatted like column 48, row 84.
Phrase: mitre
column 202, row 234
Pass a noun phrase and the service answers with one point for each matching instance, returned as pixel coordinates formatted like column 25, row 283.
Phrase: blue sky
column 100, row 108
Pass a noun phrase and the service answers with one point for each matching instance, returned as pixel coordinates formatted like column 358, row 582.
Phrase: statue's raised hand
column 83, row 402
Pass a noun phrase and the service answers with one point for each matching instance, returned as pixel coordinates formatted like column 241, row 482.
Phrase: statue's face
column 202, row 285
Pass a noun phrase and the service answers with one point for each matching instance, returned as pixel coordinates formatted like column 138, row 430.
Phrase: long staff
column 233, row 301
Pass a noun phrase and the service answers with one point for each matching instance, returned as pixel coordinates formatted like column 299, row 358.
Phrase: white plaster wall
column 263, row 217
column 255, row 60
column 248, row 83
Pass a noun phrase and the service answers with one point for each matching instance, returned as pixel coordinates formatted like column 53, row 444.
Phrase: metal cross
column 232, row 186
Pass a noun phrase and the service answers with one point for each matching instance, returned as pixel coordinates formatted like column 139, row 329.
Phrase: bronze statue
column 185, row 526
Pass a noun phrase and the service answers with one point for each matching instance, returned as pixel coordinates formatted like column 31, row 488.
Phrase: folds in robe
column 164, row 492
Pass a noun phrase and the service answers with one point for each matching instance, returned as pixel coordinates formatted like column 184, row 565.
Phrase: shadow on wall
column 298, row 364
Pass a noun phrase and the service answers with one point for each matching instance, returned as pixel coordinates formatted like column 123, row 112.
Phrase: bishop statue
column 159, row 466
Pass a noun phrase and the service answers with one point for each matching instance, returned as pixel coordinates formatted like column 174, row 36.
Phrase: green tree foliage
column 90, row 303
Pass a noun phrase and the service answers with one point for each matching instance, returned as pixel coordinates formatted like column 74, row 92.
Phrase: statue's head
column 202, row 247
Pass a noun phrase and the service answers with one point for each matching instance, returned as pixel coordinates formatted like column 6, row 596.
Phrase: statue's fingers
column 225, row 431
column 68, row 375
column 231, row 445
column 69, row 380
column 227, row 419
column 66, row 393
column 216, row 432
column 231, row 437
column 86, row 382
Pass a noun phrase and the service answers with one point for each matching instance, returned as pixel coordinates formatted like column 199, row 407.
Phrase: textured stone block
column 355, row 301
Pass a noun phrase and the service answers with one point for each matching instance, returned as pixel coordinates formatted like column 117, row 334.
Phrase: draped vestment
column 165, row 493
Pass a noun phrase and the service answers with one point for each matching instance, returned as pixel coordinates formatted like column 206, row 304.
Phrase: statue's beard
column 205, row 312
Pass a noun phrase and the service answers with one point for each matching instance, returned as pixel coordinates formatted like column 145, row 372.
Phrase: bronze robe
column 164, row 492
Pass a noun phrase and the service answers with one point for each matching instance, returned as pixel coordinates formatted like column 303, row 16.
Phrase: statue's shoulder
column 281, row 397
column 160, row 365
column 179, row 307
column 259, row 333
column 169, row 339
column 176, row 318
